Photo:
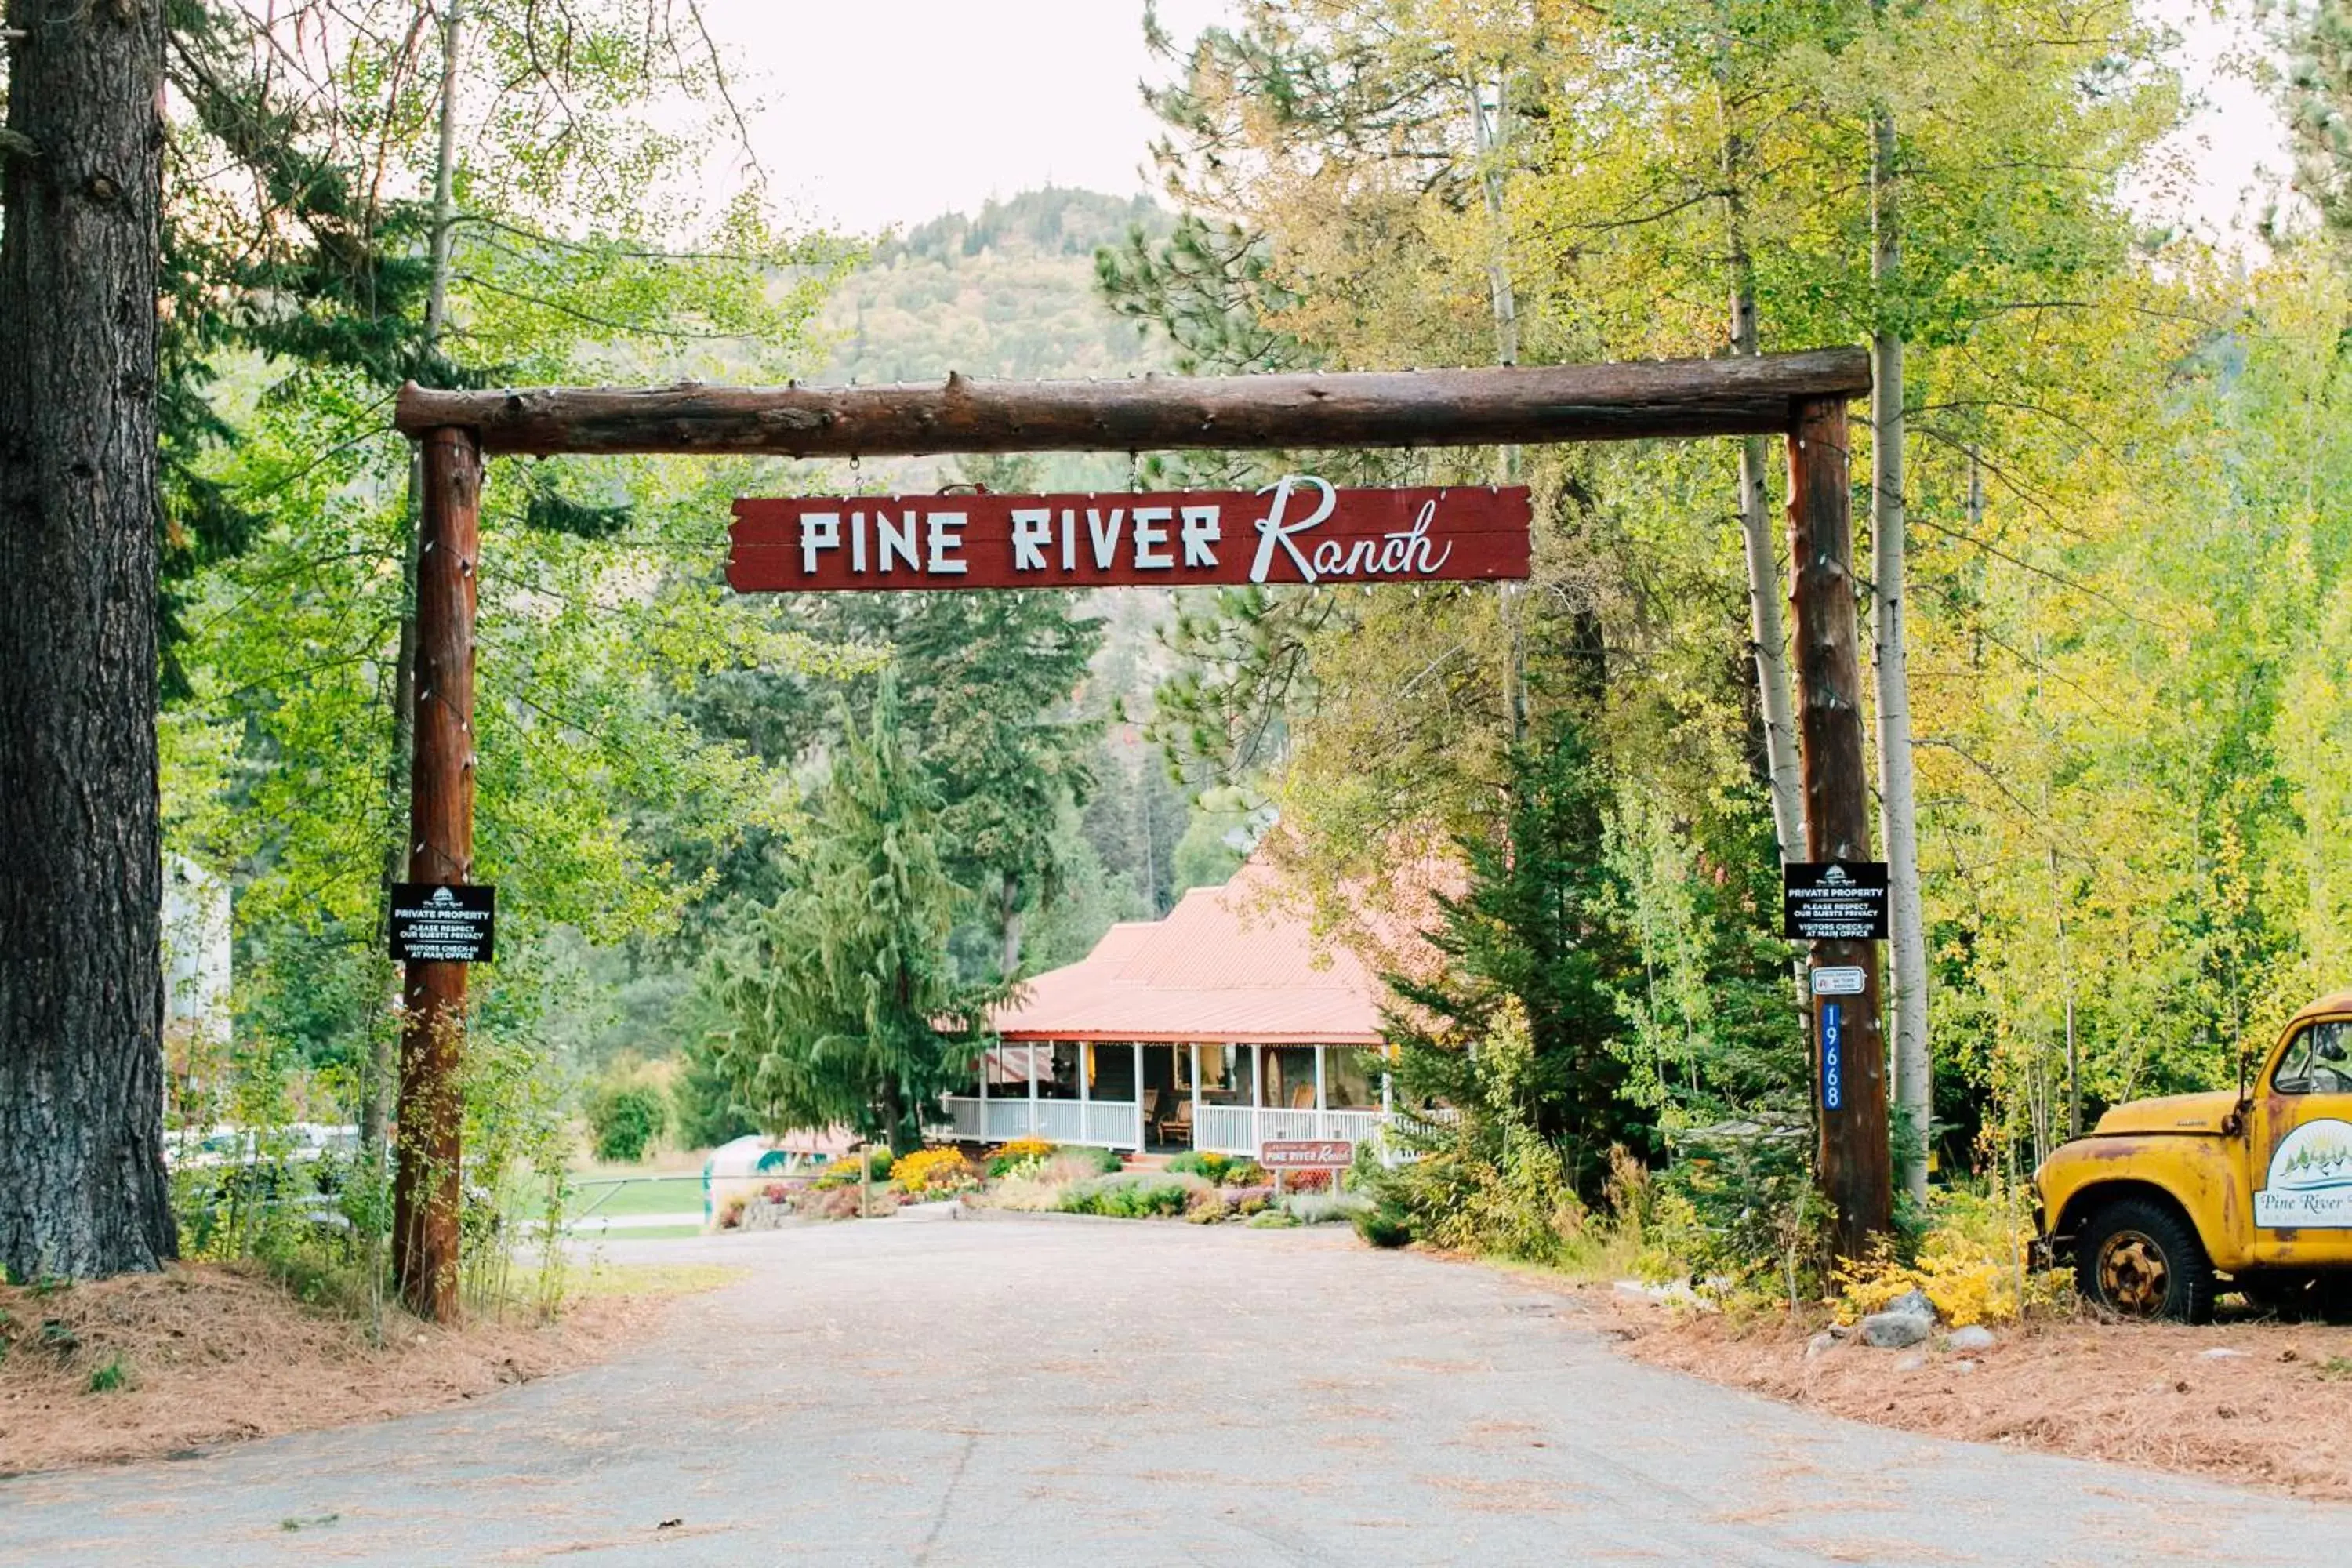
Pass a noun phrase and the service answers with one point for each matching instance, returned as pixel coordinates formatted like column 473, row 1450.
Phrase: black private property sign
column 443, row 925
column 1833, row 900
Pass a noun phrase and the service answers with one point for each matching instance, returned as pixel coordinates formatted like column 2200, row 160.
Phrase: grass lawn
column 643, row 1232
column 634, row 1195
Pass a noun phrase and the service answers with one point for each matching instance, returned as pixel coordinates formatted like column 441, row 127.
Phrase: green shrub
column 625, row 1118
column 1204, row 1163
column 1384, row 1225
column 1132, row 1195
column 1324, row 1209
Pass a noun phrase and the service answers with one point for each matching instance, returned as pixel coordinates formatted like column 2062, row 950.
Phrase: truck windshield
column 2317, row 1061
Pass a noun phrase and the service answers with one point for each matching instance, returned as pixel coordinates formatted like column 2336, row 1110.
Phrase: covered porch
column 1168, row 1096
column 1223, row 1027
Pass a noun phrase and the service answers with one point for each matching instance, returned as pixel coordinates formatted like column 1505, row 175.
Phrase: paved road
column 1121, row 1393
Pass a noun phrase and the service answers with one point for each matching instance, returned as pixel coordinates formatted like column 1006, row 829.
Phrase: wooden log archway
column 1799, row 396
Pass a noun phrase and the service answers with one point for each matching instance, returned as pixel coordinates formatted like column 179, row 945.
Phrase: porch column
column 1085, row 1089
column 1138, row 1097
column 1388, row 1109
column 1033, row 1088
column 983, row 1094
column 1195, row 1048
column 1322, row 1104
column 1257, row 1097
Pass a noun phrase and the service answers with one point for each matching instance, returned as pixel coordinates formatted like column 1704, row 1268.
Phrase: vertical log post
column 1853, row 1164
column 426, row 1188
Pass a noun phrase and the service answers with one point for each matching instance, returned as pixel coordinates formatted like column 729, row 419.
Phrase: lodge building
column 1220, row 1027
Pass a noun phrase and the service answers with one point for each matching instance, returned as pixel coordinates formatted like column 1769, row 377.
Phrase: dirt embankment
column 149, row 1365
column 2271, row 1414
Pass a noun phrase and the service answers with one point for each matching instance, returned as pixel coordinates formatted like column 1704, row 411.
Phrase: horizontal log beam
column 1533, row 404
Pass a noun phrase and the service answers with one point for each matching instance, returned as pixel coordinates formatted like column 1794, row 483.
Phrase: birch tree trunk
column 82, row 1186
column 1898, row 823
column 1486, row 135
column 1767, row 635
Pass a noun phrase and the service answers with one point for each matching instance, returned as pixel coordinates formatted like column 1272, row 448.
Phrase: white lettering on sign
column 1105, row 535
column 946, row 538
column 1406, row 550
column 1033, row 530
column 1274, row 528
column 1200, row 532
column 1302, row 529
column 889, row 540
column 819, row 530
column 1152, row 528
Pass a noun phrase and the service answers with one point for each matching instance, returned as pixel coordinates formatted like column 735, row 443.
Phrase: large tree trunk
column 375, row 1094
column 1899, row 819
column 82, row 1187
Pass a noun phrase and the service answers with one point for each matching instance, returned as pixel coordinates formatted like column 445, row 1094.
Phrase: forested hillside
column 1008, row 292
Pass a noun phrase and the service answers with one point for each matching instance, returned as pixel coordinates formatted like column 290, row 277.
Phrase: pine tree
column 1532, row 927
column 840, row 1007
column 999, row 741
column 2319, row 108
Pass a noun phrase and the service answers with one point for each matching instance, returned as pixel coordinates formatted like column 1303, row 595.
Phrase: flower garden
column 1031, row 1175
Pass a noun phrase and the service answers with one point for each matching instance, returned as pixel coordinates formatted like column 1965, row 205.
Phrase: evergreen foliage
column 1531, row 933
column 840, row 1006
column 2318, row 38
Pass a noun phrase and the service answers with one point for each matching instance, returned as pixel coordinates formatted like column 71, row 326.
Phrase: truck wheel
column 2138, row 1259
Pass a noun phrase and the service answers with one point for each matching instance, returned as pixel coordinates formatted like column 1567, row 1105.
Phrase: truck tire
column 2137, row 1258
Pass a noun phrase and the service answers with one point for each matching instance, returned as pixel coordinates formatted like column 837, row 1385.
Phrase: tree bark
column 375, row 1094
column 425, row 1175
column 1853, row 1162
column 1898, row 817
column 82, row 1184
column 1157, row 412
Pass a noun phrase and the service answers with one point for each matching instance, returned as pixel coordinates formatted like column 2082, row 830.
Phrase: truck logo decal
column 2310, row 1180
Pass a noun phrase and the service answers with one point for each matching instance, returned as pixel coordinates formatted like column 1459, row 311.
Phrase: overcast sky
column 871, row 113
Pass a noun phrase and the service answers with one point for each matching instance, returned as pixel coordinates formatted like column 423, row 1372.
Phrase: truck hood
column 2184, row 1113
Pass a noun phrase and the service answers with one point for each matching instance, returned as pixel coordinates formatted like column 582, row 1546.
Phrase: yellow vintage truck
column 2165, row 1195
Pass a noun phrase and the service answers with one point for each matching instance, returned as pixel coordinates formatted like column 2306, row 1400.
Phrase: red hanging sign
column 1301, row 530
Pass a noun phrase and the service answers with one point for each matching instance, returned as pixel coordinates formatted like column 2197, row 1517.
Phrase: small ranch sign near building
column 1302, row 530
column 1306, row 1153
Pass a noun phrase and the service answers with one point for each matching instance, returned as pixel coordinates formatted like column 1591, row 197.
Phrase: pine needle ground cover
column 2269, row 1414
column 147, row 1366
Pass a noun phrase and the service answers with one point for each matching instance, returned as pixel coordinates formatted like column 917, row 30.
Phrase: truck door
column 2300, row 1152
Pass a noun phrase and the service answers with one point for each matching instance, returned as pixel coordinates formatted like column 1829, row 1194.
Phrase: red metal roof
column 1229, row 964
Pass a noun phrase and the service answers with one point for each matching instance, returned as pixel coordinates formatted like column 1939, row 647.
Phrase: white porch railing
column 1100, row 1123
column 1110, row 1123
column 1242, row 1129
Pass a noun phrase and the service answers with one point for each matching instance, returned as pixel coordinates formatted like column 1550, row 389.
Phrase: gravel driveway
column 1117, row 1393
